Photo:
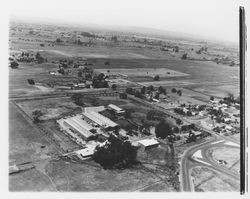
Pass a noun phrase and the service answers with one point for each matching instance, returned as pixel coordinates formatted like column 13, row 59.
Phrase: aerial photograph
column 133, row 97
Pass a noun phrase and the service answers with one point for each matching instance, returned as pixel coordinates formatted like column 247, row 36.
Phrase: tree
column 78, row 99
column 114, row 86
column 176, row 49
column 163, row 129
column 157, row 96
column 176, row 130
column 123, row 96
column 178, row 121
column 173, row 90
column 58, row 40
column 162, row 90
column 114, row 38
column 150, row 88
column 179, row 92
column 101, row 76
column 36, row 116
column 116, row 153
column 184, row 128
column 230, row 97
column 184, row 56
column 212, row 98
column 31, row 81
column 191, row 137
column 189, row 113
column 156, row 78
column 37, row 56
column 14, row 64
column 79, row 73
column 138, row 94
column 192, row 126
column 130, row 91
column 143, row 90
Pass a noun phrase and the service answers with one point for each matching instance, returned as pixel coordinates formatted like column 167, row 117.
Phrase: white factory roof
column 100, row 119
column 148, row 142
column 93, row 108
column 116, row 108
column 80, row 125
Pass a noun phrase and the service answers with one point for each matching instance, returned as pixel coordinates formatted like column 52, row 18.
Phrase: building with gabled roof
column 117, row 109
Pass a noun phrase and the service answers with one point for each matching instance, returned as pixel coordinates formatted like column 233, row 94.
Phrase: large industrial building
column 89, row 123
column 92, row 115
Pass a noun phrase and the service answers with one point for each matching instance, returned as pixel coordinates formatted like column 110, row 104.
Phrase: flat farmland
column 197, row 70
column 25, row 140
column 207, row 180
column 18, row 84
column 145, row 72
column 218, row 91
column 87, row 176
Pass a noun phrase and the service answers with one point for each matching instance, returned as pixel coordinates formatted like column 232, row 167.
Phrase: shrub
column 156, row 78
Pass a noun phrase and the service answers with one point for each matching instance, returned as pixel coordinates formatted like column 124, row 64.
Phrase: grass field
column 228, row 154
column 147, row 72
column 51, row 108
column 25, row 140
column 207, row 180
column 66, row 176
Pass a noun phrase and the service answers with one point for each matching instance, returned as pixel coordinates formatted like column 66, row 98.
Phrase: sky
column 217, row 19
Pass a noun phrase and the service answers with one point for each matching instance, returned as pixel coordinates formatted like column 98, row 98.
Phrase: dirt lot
column 207, row 180
column 228, row 154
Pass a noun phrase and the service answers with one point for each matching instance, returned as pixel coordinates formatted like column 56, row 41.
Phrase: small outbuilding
column 149, row 143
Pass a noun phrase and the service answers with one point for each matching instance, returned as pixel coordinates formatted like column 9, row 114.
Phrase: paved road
column 188, row 162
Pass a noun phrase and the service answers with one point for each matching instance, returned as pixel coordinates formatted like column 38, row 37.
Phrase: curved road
column 188, row 162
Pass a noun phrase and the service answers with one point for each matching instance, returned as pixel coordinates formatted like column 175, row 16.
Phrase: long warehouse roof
column 78, row 127
column 99, row 119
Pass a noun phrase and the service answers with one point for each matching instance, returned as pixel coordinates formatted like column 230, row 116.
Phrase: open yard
column 25, row 140
column 66, row 176
column 52, row 108
column 228, row 154
column 207, row 180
